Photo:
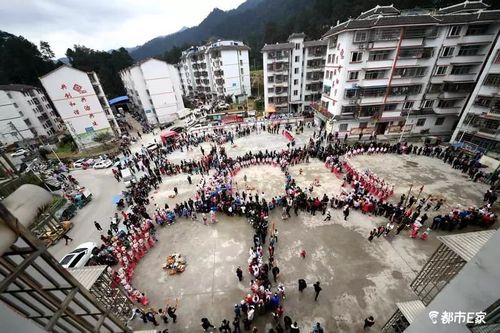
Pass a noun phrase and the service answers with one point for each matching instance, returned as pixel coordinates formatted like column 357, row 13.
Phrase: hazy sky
column 102, row 24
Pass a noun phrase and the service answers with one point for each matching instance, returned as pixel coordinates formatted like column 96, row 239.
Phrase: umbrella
column 116, row 198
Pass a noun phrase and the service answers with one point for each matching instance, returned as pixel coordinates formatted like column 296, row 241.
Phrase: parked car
column 66, row 212
column 223, row 106
column 79, row 257
column 103, row 164
column 19, row 152
column 78, row 164
column 152, row 147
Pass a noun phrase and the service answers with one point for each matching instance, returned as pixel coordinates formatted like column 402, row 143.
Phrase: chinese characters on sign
column 82, row 100
column 457, row 317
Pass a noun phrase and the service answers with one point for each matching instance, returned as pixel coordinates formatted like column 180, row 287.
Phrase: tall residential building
column 154, row 87
column 25, row 112
column 80, row 101
column 390, row 71
column 293, row 74
column 480, row 122
column 216, row 70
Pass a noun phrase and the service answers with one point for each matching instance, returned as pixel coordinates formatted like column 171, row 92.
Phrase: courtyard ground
column 359, row 278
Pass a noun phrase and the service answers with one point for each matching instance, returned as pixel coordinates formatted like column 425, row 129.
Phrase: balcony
column 455, row 110
column 490, row 133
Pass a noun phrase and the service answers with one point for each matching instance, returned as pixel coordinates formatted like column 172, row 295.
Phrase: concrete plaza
column 358, row 278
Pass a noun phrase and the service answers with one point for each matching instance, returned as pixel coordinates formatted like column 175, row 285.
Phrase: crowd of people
column 218, row 194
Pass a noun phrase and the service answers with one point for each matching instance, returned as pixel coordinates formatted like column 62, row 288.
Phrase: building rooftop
column 297, row 35
column 380, row 10
column 447, row 16
column 230, row 47
column 468, row 244
column 16, row 87
column 277, row 46
column 312, row 43
column 464, row 6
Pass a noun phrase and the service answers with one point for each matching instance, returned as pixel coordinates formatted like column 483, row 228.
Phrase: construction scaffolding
column 38, row 288
column 450, row 257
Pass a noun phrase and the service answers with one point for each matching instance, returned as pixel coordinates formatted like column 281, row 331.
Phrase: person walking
column 150, row 316
column 317, row 289
column 176, row 191
column 236, row 325
column 171, row 312
column 302, row 285
column 275, row 272
column 288, row 322
column 67, row 238
column 239, row 273
column 97, row 226
column 225, row 326
column 317, row 328
column 369, row 322
column 163, row 316
column 189, row 180
column 346, row 212
column 205, row 324
column 328, row 216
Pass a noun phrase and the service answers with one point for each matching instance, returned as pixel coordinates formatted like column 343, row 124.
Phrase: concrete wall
column 474, row 289
column 76, row 101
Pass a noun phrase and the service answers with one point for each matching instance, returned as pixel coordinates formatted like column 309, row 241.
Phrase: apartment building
column 81, row 103
column 216, row 70
column 154, row 87
column 390, row 71
column 25, row 113
column 293, row 74
column 478, row 128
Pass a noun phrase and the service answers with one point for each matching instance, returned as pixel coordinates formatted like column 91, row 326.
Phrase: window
column 373, row 75
column 447, row 103
column 390, row 107
column 295, row 82
column 15, row 105
column 407, row 105
column 447, row 51
column 427, row 104
column 356, row 56
column 416, row 53
column 483, row 101
column 410, row 72
column 478, row 29
column 242, row 71
column 327, row 89
column 296, row 71
column 461, row 69
column 469, row 50
column 363, row 125
column 297, row 46
column 353, row 75
column 270, row 90
column 492, row 80
column 343, row 127
column 241, row 62
column 441, row 70
column 9, row 95
column 332, row 42
column 297, row 58
column 379, row 55
column 360, row 36
column 295, row 92
column 387, row 34
column 455, row 31
column 270, row 79
column 439, row 121
column 420, row 122
column 351, row 93
column 329, row 58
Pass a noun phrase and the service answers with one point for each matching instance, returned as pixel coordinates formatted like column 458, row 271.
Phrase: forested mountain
column 257, row 22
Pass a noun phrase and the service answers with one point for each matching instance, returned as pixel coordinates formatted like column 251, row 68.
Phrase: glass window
column 407, row 105
column 360, row 36
column 454, row 31
column 297, row 58
column 469, row 50
column 427, row 104
column 296, row 71
column 492, row 80
column 461, row 69
column 295, row 92
column 379, row 55
column 447, row 51
column 356, row 56
column 373, row 75
column 353, row 75
column 420, row 122
column 477, row 29
column 297, row 46
column 441, row 70
column 439, row 121
column 343, row 127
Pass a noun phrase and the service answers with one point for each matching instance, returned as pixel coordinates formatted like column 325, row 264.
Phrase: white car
column 223, row 106
column 79, row 257
column 19, row 152
column 78, row 164
column 103, row 164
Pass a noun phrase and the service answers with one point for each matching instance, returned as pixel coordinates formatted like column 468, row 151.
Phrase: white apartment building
column 216, row 70
column 480, row 122
column 390, row 71
column 25, row 113
column 293, row 74
column 81, row 103
column 154, row 87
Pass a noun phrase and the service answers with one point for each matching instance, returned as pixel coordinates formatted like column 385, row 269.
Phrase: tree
column 103, row 137
column 46, row 51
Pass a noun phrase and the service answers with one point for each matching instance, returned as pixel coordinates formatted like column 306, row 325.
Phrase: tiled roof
column 379, row 10
column 468, row 244
column 466, row 5
column 297, row 35
column 16, row 87
column 312, row 43
column 446, row 19
column 277, row 46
